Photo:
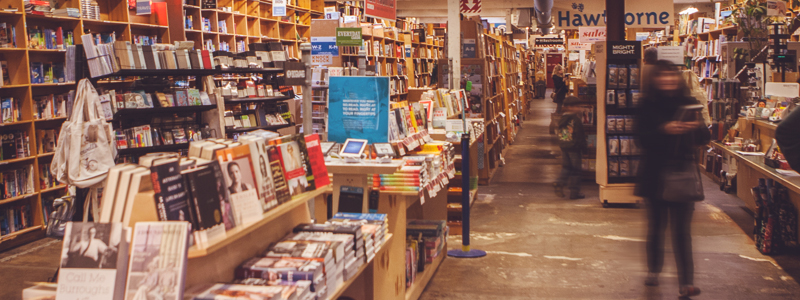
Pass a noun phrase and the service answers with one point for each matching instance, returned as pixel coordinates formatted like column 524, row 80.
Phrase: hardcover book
column 237, row 169
column 158, row 261
column 94, row 258
column 263, row 175
column 294, row 160
column 282, row 192
column 170, row 192
column 316, row 161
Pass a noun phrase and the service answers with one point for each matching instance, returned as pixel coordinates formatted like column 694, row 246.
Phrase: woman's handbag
column 84, row 152
column 682, row 182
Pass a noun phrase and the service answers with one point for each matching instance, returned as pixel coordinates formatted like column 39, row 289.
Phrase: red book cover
column 60, row 38
column 206, row 60
column 159, row 10
column 317, row 161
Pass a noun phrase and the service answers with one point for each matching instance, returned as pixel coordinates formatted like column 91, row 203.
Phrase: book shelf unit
column 494, row 104
column 244, row 22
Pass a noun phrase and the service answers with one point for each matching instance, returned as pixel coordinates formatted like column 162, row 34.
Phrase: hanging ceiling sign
column 470, row 6
column 544, row 42
column 382, row 9
column 575, row 44
column 638, row 14
column 591, row 34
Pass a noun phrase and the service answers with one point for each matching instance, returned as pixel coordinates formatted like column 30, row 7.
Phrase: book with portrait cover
column 93, row 261
column 294, row 160
column 158, row 261
column 282, row 193
column 260, row 158
column 237, row 169
column 317, row 161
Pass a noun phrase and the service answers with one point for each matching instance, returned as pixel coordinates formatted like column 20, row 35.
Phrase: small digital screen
column 353, row 147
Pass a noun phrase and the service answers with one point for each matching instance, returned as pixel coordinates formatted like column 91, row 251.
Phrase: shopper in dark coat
column 788, row 136
column 664, row 140
column 560, row 87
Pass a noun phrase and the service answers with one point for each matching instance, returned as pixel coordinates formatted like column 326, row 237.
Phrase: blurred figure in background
column 788, row 137
column 665, row 140
column 572, row 140
column 560, row 87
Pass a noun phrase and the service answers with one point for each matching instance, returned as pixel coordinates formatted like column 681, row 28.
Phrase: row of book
column 14, row 218
column 46, row 140
column 235, row 180
column 4, row 73
column 46, row 178
column 14, row 144
column 623, row 98
column 425, row 242
column 317, row 258
column 38, row 7
column 620, row 124
column 53, row 106
column 253, row 119
column 16, row 182
column 623, row 145
column 623, row 166
column 623, row 76
column 8, row 35
column 149, row 136
column 10, row 110
column 47, row 38
column 47, row 72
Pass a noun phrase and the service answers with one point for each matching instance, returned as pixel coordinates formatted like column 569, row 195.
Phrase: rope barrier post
column 466, row 251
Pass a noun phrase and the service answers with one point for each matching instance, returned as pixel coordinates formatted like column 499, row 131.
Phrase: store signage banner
column 470, row 6
column 469, row 48
column 641, row 36
column 638, row 13
column 382, row 9
column 359, row 106
column 782, row 89
column 548, row 42
column 673, row 54
column 575, row 44
column 323, row 50
column 295, row 73
column 346, row 36
column 622, row 50
column 279, row 8
column 591, row 34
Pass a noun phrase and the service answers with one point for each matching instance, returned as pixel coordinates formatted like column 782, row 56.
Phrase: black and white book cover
column 158, row 261
column 93, row 261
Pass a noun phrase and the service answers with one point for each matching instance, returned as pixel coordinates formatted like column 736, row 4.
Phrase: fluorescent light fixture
column 688, row 11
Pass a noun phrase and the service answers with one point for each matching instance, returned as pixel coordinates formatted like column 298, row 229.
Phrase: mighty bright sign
column 639, row 14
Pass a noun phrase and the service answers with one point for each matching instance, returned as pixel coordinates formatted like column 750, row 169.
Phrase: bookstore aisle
column 543, row 247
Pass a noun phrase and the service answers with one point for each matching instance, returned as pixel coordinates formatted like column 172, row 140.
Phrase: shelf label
column 673, row 54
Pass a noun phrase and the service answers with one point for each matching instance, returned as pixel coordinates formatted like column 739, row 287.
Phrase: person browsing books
column 560, row 88
column 572, row 140
column 235, row 173
column 666, row 141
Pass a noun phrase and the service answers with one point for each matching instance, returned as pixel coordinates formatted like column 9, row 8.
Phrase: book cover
column 282, row 192
column 237, row 169
column 37, row 73
column 193, row 96
column 158, row 261
column 94, row 258
column 204, row 197
column 182, row 98
column 264, row 182
column 170, row 192
column 294, row 163
column 240, row 291
column 317, row 161
column 278, row 269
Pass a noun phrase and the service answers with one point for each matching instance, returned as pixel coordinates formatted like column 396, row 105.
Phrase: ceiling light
column 688, row 11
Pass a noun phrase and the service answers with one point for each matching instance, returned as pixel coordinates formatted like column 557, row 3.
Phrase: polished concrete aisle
column 543, row 247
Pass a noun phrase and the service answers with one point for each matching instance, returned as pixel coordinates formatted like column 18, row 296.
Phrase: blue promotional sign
column 324, row 45
column 358, row 106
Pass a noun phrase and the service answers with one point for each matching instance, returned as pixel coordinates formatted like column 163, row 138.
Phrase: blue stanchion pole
column 466, row 251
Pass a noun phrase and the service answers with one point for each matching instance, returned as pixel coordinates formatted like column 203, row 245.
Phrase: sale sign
column 470, row 6
column 575, row 44
column 382, row 9
column 592, row 34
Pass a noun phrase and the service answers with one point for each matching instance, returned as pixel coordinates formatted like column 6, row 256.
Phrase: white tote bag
column 84, row 152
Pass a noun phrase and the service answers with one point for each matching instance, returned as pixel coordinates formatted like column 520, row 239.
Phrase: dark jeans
column 559, row 106
column 660, row 212
column 570, row 170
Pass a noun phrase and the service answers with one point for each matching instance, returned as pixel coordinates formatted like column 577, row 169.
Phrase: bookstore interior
column 290, row 146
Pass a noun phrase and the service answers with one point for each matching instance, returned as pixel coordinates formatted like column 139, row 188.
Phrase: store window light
column 688, row 11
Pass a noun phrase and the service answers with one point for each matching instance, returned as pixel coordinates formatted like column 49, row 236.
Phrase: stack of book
column 38, row 7
column 16, row 182
column 373, row 227
column 123, row 55
column 426, row 239
column 46, row 178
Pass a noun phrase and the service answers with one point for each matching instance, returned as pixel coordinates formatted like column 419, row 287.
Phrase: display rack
column 613, row 189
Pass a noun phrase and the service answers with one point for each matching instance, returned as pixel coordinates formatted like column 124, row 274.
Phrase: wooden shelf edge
column 342, row 288
column 416, row 289
column 240, row 231
column 17, row 198
column 20, row 232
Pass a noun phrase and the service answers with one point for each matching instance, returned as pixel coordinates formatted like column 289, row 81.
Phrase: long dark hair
column 650, row 86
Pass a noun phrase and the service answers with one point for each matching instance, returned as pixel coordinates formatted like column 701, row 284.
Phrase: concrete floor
column 543, row 247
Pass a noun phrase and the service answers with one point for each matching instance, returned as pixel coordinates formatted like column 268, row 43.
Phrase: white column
column 454, row 40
